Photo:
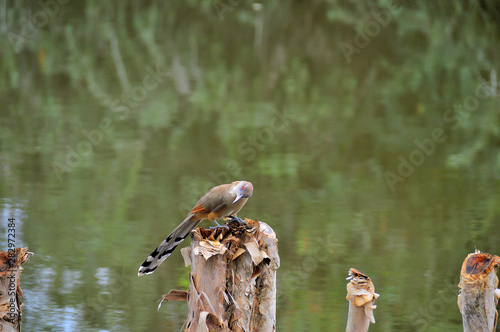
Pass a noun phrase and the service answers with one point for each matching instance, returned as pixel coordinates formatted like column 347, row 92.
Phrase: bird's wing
column 199, row 208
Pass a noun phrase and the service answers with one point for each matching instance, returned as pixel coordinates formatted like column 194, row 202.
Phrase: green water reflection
column 376, row 149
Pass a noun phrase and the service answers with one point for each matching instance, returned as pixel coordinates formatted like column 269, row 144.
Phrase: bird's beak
column 237, row 198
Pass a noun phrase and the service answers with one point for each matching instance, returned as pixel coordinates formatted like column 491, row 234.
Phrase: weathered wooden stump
column 10, row 289
column 478, row 295
column 233, row 278
column 361, row 296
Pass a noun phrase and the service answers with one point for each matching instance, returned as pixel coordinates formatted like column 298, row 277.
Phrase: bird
column 223, row 201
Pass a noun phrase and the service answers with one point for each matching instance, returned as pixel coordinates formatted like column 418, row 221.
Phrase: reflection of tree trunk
column 478, row 295
column 117, row 59
column 361, row 296
column 10, row 289
column 233, row 278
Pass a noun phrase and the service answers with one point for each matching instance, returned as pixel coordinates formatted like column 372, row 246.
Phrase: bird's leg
column 238, row 220
column 218, row 225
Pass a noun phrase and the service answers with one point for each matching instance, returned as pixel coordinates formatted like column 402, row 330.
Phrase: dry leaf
column 253, row 249
column 238, row 253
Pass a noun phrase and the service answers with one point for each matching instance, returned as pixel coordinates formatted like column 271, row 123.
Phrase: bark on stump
column 361, row 296
column 233, row 278
column 478, row 296
column 10, row 289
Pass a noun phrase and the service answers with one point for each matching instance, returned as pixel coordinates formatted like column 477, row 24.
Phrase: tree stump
column 233, row 278
column 478, row 296
column 361, row 296
column 10, row 289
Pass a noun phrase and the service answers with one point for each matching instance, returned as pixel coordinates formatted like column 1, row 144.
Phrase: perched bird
column 219, row 202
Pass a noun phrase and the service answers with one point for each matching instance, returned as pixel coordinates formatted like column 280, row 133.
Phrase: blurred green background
column 369, row 129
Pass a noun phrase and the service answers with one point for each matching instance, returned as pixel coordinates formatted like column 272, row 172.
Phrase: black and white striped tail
column 168, row 245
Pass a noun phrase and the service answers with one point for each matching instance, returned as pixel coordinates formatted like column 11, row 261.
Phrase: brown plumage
column 219, row 202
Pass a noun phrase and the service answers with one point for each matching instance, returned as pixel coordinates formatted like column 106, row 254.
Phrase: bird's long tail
column 168, row 245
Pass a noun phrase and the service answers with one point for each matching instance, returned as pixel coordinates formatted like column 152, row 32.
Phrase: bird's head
column 243, row 189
